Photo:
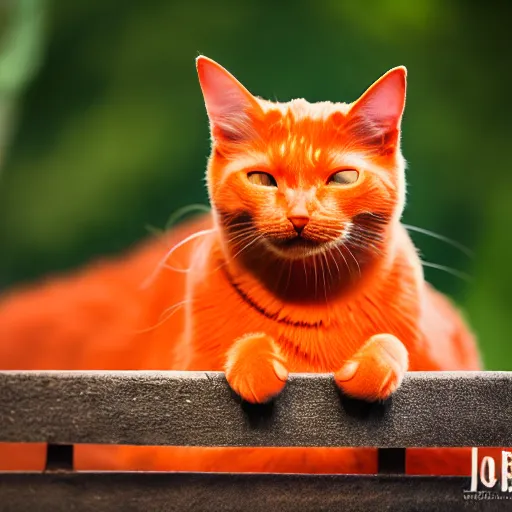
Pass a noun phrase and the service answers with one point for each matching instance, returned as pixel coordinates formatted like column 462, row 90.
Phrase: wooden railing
column 198, row 409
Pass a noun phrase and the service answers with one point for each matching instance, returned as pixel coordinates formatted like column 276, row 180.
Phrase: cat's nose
column 299, row 222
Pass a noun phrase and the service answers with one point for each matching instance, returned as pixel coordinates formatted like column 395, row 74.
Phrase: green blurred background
column 103, row 129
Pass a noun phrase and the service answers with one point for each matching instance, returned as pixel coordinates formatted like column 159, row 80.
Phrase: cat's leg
column 255, row 368
column 376, row 370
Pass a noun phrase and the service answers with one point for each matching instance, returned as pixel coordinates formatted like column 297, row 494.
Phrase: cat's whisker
column 353, row 257
column 241, row 227
column 181, row 212
column 289, row 275
column 448, row 270
column 364, row 241
column 323, row 276
column 316, row 275
column 170, row 310
column 163, row 261
column 305, row 271
column 241, row 238
column 330, row 280
column 328, row 268
column 281, row 273
column 344, row 259
column 242, row 242
column 365, row 234
column 178, row 214
column 468, row 252
column 252, row 242
column 336, row 263
column 216, row 269
column 234, row 227
column 153, row 230
column 246, row 232
column 364, row 247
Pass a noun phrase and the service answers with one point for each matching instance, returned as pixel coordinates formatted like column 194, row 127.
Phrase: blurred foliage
column 113, row 134
column 21, row 30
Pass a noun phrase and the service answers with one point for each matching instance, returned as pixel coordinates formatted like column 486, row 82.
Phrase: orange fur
column 295, row 270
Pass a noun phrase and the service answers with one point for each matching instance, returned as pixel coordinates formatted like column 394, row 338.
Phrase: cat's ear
column 381, row 107
column 231, row 108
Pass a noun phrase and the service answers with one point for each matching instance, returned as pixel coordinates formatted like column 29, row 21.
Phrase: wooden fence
column 198, row 409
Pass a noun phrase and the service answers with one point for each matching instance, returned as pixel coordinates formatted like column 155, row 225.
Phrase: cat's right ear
column 381, row 107
column 231, row 108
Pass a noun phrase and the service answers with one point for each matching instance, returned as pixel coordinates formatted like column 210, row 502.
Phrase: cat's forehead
column 297, row 137
column 299, row 134
column 301, row 124
column 300, row 109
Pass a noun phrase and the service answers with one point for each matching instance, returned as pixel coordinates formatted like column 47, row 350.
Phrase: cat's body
column 303, row 266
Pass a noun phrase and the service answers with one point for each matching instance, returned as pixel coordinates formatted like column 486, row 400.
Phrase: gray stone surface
column 182, row 408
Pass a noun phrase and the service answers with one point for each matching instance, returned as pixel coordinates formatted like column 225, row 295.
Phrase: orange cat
column 303, row 266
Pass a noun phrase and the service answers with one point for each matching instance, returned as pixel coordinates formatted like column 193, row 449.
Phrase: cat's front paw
column 376, row 370
column 255, row 368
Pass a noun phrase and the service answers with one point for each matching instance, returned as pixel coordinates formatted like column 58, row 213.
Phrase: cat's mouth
column 297, row 247
column 298, row 242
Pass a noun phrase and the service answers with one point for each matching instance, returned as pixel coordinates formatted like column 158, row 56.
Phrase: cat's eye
column 344, row 177
column 262, row 178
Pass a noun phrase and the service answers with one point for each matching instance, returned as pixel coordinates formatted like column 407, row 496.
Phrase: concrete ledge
column 198, row 408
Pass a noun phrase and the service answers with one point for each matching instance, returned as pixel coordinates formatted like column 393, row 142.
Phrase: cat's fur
column 292, row 272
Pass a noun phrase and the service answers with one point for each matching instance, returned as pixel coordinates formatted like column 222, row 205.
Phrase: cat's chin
column 296, row 248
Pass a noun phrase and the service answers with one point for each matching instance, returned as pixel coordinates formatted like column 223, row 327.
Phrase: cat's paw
column 376, row 370
column 255, row 369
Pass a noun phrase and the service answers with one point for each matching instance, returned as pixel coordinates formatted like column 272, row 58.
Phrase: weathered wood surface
column 104, row 492
column 185, row 408
column 184, row 492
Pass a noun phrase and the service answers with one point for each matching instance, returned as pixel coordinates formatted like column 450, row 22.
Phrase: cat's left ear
column 231, row 108
column 382, row 105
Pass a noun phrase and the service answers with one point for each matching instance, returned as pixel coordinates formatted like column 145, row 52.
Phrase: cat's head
column 298, row 178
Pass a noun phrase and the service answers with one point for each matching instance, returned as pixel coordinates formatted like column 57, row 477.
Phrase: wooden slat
column 106, row 492
column 184, row 408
